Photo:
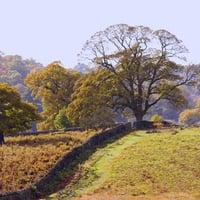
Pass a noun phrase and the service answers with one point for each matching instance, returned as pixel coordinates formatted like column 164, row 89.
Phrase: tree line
column 133, row 70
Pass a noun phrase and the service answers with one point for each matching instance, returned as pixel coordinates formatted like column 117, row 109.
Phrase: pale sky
column 52, row 30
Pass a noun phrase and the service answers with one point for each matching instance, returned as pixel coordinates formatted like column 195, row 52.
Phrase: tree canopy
column 144, row 64
column 190, row 116
column 91, row 105
column 54, row 86
column 15, row 114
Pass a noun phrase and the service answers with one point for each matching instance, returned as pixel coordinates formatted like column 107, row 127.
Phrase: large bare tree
column 144, row 63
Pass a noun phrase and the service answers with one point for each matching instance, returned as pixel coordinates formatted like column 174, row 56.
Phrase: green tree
column 90, row 106
column 54, row 86
column 144, row 64
column 15, row 115
column 61, row 120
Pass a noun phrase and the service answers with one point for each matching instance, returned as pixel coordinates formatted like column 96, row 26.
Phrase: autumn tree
column 190, row 116
column 156, row 118
column 91, row 101
column 144, row 63
column 15, row 115
column 54, row 86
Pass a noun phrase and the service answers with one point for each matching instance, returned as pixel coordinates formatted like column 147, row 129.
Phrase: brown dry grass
column 25, row 159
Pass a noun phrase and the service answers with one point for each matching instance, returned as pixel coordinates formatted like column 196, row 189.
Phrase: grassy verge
column 143, row 164
column 95, row 171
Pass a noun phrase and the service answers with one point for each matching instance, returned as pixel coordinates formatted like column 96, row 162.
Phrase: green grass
column 143, row 164
column 159, row 163
column 97, row 169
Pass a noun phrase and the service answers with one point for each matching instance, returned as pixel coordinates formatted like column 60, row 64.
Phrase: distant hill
column 82, row 68
column 14, row 69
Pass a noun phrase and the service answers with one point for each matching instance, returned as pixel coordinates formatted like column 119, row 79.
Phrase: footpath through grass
column 142, row 164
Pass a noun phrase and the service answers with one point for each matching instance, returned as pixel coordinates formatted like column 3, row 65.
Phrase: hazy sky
column 51, row 30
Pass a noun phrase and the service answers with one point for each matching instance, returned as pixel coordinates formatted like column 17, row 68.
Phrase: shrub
column 156, row 118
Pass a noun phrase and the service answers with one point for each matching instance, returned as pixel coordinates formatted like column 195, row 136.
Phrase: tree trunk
column 2, row 141
column 141, row 124
column 139, row 116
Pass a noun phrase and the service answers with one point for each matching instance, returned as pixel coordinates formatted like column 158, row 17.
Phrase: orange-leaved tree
column 91, row 105
column 190, row 116
column 53, row 85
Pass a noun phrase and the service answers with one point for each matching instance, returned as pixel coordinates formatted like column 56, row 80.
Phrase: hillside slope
column 141, row 166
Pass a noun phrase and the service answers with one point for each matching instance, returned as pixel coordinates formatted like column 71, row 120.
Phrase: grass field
column 141, row 166
column 25, row 159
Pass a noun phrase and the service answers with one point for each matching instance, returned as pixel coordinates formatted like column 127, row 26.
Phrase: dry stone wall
column 36, row 190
